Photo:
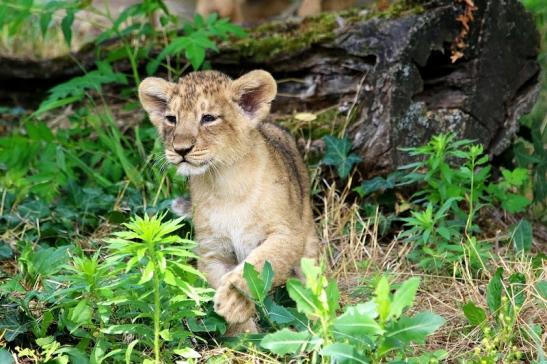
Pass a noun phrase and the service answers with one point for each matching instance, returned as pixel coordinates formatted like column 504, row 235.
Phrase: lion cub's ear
column 154, row 93
column 254, row 93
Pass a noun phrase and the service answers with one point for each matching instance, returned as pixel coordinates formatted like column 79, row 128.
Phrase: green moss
column 274, row 38
column 289, row 37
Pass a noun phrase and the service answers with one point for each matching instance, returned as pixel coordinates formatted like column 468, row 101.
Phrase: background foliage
column 93, row 268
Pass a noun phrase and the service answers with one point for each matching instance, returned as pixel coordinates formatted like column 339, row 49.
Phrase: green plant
column 76, row 88
column 197, row 39
column 338, row 154
column 498, row 324
column 443, row 223
column 376, row 331
column 149, row 256
column 145, row 287
column 135, row 39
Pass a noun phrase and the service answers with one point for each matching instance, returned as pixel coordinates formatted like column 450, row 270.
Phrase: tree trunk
column 393, row 69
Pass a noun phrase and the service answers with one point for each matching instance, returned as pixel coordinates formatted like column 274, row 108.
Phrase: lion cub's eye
column 171, row 119
column 207, row 118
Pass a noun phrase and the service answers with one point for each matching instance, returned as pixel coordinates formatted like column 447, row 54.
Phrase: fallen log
column 391, row 69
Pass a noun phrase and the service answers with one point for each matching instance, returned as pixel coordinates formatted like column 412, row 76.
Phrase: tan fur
column 248, row 184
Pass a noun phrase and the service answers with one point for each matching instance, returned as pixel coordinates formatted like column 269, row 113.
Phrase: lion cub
column 248, row 184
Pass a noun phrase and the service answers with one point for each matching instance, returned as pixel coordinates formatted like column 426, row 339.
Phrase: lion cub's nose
column 183, row 151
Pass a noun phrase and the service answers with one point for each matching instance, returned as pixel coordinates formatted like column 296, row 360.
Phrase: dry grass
column 357, row 256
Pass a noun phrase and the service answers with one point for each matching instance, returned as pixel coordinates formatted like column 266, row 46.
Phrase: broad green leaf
column 138, row 329
column 255, row 284
column 129, row 351
column 517, row 177
column 517, row 288
column 147, row 273
column 333, row 297
column 382, row 298
column 166, row 334
column 514, row 203
column 541, row 287
column 210, row 323
column 45, row 20
column 286, row 342
column 404, row 297
column 415, row 328
column 306, row 302
column 169, row 278
column 494, row 291
column 267, row 276
column 279, row 314
column 195, row 53
column 187, row 353
column 81, row 313
column 343, row 353
column 6, row 357
column 475, row 315
column 338, row 154
column 66, row 26
column 311, row 272
column 521, row 236
column 353, row 323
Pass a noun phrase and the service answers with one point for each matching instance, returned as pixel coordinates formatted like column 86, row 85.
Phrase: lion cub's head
column 205, row 120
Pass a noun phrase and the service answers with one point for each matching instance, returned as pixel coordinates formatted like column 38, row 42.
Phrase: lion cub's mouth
column 188, row 168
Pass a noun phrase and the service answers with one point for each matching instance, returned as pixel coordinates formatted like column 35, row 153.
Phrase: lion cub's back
column 287, row 157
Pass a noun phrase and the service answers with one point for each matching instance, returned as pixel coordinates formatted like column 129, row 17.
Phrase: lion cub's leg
column 217, row 266
column 230, row 300
column 248, row 326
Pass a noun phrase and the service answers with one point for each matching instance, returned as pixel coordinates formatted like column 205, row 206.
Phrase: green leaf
column 305, row 300
column 343, row 353
column 286, row 342
column 475, row 315
column 494, row 291
column 415, row 328
column 255, row 284
column 45, row 20
column 311, row 271
column 6, row 357
column 129, row 351
column 169, row 278
column 382, row 298
column 521, row 236
column 210, row 323
column 187, row 353
column 82, row 313
column 517, row 177
column 195, row 53
column 354, row 324
column 148, row 273
column 280, row 315
column 267, row 276
column 514, row 203
column 541, row 287
column 139, row 329
column 517, row 288
column 337, row 153
column 66, row 26
column 404, row 297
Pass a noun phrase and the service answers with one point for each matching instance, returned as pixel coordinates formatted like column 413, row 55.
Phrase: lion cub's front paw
column 230, row 302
